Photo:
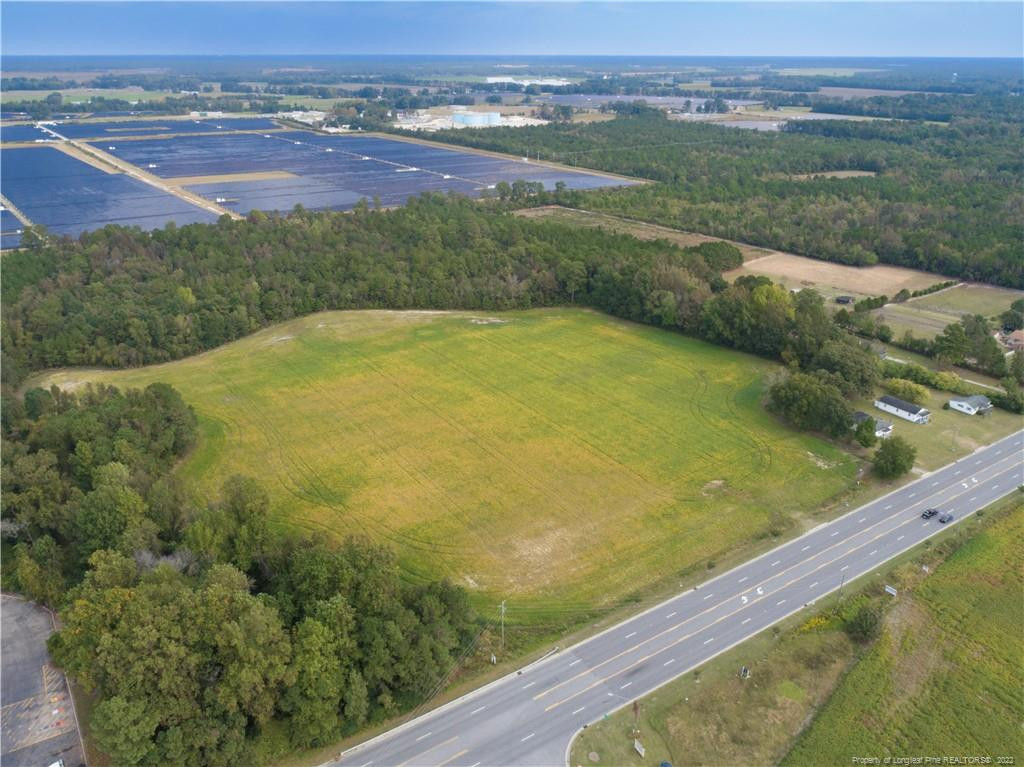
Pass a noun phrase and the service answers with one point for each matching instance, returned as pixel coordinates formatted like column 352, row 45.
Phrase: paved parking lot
column 37, row 717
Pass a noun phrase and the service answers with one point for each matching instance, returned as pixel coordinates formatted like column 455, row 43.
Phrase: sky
column 943, row 29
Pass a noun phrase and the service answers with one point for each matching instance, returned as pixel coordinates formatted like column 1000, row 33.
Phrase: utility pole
column 503, row 625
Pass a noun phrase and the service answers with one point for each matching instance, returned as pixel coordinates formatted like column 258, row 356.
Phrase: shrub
column 907, row 390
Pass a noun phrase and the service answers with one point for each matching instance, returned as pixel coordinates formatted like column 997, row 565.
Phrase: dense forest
column 206, row 638
column 947, row 198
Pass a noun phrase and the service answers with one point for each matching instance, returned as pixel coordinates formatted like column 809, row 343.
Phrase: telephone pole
column 503, row 625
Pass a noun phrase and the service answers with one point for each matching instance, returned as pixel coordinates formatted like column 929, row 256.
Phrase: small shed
column 883, row 428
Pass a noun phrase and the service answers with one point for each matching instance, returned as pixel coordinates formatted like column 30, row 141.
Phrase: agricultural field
column 639, row 229
column 883, row 702
column 927, row 316
column 945, row 677
column 557, row 458
column 832, row 279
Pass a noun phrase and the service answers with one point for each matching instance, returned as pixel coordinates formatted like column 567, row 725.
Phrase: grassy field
column 927, row 316
column 556, row 458
column 85, row 94
column 946, row 676
column 714, row 718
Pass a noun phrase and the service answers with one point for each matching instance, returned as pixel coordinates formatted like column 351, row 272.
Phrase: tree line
column 206, row 638
column 944, row 200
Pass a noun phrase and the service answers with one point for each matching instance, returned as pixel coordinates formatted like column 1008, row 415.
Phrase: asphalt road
column 529, row 718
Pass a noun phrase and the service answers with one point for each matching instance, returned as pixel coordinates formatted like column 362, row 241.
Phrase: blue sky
column 946, row 29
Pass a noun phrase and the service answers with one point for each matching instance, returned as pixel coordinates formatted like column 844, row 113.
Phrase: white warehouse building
column 908, row 411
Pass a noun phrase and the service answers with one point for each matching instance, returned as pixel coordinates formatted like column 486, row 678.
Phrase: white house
column 908, row 411
column 973, row 405
column 883, row 428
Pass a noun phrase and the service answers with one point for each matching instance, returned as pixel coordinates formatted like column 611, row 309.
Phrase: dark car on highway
column 929, row 513
column 947, row 517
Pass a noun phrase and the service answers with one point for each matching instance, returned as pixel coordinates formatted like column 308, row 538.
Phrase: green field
column 556, row 458
column 928, row 316
column 946, row 676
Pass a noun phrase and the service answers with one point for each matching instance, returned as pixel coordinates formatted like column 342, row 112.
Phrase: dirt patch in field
column 228, row 178
column 798, row 271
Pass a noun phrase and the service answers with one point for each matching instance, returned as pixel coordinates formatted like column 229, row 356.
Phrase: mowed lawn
column 946, row 675
column 542, row 456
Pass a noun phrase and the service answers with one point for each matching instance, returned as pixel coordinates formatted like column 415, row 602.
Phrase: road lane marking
column 745, row 621
column 421, row 737
column 889, row 506
column 669, row 616
column 777, row 561
column 477, row 710
column 424, row 753
column 912, row 495
column 669, row 662
column 709, row 641
column 523, row 740
column 578, row 660
column 862, row 519
column 805, row 547
column 844, row 567
column 647, row 657
column 579, row 709
column 813, row 585
column 760, row 591
column 935, row 483
column 531, row 684
column 743, row 578
column 780, row 602
column 452, row 758
column 872, row 552
column 366, row 765
column 971, row 499
column 627, row 684
column 834, row 534
column 900, row 538
column 630, row 634
column 708, row 597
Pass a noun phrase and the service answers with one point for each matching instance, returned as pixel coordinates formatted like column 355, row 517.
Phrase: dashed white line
column 627, row 684
column 366, row 765
column 995, row 487
column 872, row 552
column 900, row 538
column 578, row 660
column 862, row 519
column 745, row 621
column 805, row 548
column 421, row 737
column 780, row 602
column 477, row 764
column 777, row 561
column 834, row 534
column 579, row 709
column 707, row 597
column 935, row 483
column 813, row 585
column 844, row 567
column 669, row 662
column 709, row 641
column 890, row 506
column 523, row 740
column 978, row 462
column 630, row 634
column 477, row 710
column 925, row 525
column 743, row 578
column 971, row 499
column 528, row 686
column 669, row 615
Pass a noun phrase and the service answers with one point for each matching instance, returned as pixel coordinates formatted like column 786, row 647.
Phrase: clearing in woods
column 557, row 457
column 928, row 316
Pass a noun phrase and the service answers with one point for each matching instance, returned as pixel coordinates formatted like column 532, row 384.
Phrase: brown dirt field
column 85, row 157
column 798, row 271
column 265, row 175
column 639, row 229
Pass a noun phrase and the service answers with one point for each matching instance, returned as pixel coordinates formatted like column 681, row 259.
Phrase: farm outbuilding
column 883, row 428
column 908, row 411
column 974, row 405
